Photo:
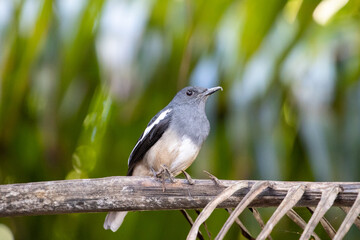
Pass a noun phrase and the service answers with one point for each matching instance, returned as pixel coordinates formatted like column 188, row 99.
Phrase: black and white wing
column 153, row 132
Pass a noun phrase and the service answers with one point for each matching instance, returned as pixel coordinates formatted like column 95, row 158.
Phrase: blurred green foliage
column 79, row 81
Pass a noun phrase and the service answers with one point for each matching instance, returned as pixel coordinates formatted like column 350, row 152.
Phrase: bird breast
column 176, row 152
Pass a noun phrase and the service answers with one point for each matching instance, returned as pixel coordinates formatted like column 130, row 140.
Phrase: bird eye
column 189, row 92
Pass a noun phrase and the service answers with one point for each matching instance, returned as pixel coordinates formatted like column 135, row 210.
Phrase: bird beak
column 210, row 91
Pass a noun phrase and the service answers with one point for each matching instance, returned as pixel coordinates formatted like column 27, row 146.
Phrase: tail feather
column 114, row 220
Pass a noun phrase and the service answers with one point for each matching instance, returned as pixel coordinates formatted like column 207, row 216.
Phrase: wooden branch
column 299, row 221
column 259, row 218
column 293, row 196
column 349, row 220
column 258, row 188
column 329, row 229
column 145, row 193
column 327, row 200
column 244, row 231
column 211, row 207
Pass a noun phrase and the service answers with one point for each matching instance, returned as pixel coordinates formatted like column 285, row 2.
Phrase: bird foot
column 163, row 174
column 165, row 171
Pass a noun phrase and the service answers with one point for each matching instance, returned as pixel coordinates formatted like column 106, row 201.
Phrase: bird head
column 194, row 95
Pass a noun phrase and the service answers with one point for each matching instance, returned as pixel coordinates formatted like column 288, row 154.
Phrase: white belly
column 185, row 157
column 170, row 150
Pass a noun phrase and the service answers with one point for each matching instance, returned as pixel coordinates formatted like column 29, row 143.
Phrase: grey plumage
column 172, row 138
column 189, row 116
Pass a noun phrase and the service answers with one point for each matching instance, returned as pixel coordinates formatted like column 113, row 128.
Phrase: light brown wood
column 145, row 193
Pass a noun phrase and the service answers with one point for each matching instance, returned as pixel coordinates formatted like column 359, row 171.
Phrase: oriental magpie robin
column 172, row 138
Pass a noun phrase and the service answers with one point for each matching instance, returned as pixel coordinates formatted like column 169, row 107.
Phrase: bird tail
column 114, row 220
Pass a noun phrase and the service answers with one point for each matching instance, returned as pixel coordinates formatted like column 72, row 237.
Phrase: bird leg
column 168, row 172
column 154, row 172
column 162, row 174
column 188, row 177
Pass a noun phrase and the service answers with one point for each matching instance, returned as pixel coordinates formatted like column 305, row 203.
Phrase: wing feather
column 153, row 132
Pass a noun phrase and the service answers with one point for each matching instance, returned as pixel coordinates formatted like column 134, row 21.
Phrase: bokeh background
column 79, row 81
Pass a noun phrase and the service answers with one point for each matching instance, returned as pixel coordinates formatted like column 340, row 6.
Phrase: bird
column 171, row 140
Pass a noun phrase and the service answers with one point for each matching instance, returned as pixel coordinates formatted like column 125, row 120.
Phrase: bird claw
column 188, row 177
column 154, row 172
column 163, row 174
column 166, row 170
